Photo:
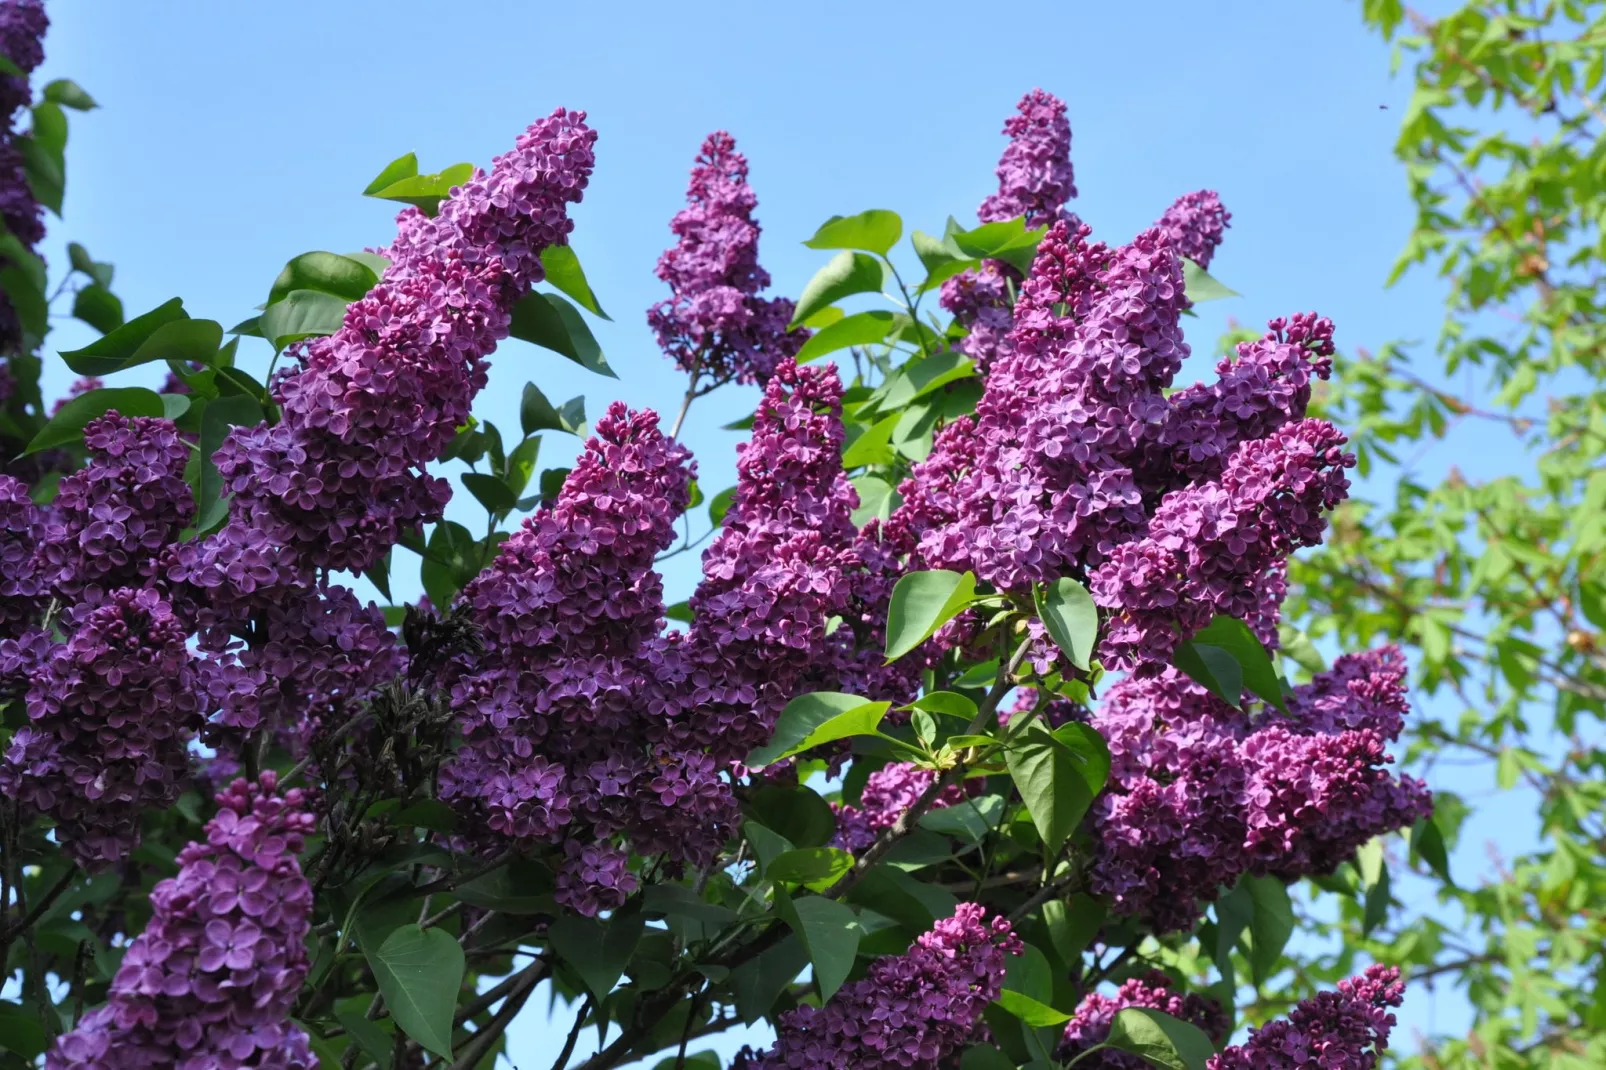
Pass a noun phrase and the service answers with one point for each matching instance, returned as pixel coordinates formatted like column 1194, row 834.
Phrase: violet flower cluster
column 22, row 30
column 910, row 1011
column 715, row 326
column 21, row 599
column 210, row 983
column 1090, row 1025
column 1077, row 463
column 1343, row 1030
column 1201, row 794
column 110, row 716
column 1195, row 224
column 888, row 793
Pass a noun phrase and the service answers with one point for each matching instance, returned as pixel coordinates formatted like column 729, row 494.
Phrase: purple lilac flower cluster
column 1090, row 1025
column 110, row 715
column 1077, row 463
column 21, row 598
column 22, row 30
column 1035, row 180
column 888, row 793
column 1343, row 1030
column 558, row 743
column 1195, row 225
column 1201, row 794
column 211, row 981
column 111, row 520
column 715, row 326
column 911, row 1011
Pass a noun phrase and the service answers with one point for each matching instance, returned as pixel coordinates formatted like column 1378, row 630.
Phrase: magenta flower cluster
column 22, row 30
column 1077, row 463
column 715, row 326
column 110, row 715
column 888, row 793
column 1035, row 177
column 1201, row 794
column 911, row 1011
column 1090, row 1025
column 1343, row 1030
column 21, row 598
column 210, row 983
column 1195, row 224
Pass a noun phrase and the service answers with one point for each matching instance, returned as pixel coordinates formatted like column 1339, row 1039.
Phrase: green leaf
column 720, row 504
column 703, row 1060
column 859, row 329
column 985, row 1056
column 69, row 94
column 420, row 974
column 1199, row 286
column 1058, row 778
column 9, row 66
column 376, row 1040
column 396, row 170
column 1159, row 1039
column 1029, row 1010
column 116, row 350
column 970, row 820
column 1377, row 902
column 1213, row 668
column 549, row 321
column 424, row 191
column 934, row 252
column 874, row 231
column 42, row 166
column 830, row 933
column 174, row 405
column 491, row 492
column 1072, row 620
column 22, row 1032
column 679, row 900
column 767, row 844
column 217, row 419
column 1008, row 240
column 328, row 273
column 817, row 718
column 759, row 982
column 814, row 867
column 877, row 500
column 302, row 314
column 67, row 426
column 1073, row 923
column 922, row 602
column 563, row 270
column 81, row 261
column 1259, row 674
column 536, row 412
column 797, row 813
column 98, row 307
column 1270, row 926
column 872, row 447
column 1427, row 840
column 523, row 886
column 1369, row 859
column 846, row 274
column 947, row 703
column 597, row 950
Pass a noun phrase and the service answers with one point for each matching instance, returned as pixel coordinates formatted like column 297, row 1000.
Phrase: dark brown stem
column 471, row 1053
column 574, row 1035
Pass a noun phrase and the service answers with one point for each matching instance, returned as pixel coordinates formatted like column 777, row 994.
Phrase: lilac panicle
column 1210, row 546
column 715, row 325
column 110, row 715
column 212, row 980
column 1090, row 1025
column 1035, row 177
column 558, row 744
column 22, row 29
column 1343, row 1030
column 1201, row 794
column 888, row 793
column 112, row 519
column 1195, row 225
column 22, row 40
column 911, row 1011
column 21, row 597
column 340, row 478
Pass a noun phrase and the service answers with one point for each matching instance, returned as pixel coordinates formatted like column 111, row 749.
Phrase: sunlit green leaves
column 551, row 322
column 846, row 274
column 1058, row 774
column 818, row 718
column 875, row 231
column 1200, row 286
column 921, row 603
column 1226, row 658
column 1072, row 620
column 829, row 931
column 400, row 181
column 861, row 328
column 1159, row 1039
column 563, row 271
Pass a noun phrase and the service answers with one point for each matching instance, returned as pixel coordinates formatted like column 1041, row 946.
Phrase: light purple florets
column 1090, row 1025
column 1343, row 1030
column 211, row 981
column 1201, row 794
column 1035, row 177
column 715, row 326
column 1195, row 225
column 910, row 1011
column 111, row 520
column 110, row 715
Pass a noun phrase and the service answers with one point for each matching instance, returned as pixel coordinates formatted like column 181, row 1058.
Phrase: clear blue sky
column 234, row 136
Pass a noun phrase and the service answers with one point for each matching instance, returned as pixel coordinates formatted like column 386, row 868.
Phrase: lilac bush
column 982, row 577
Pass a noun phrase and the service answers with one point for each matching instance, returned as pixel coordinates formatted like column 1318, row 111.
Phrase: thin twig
column 574, row 1034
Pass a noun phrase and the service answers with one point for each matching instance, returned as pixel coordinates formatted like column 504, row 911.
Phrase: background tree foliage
column 1493, row 581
